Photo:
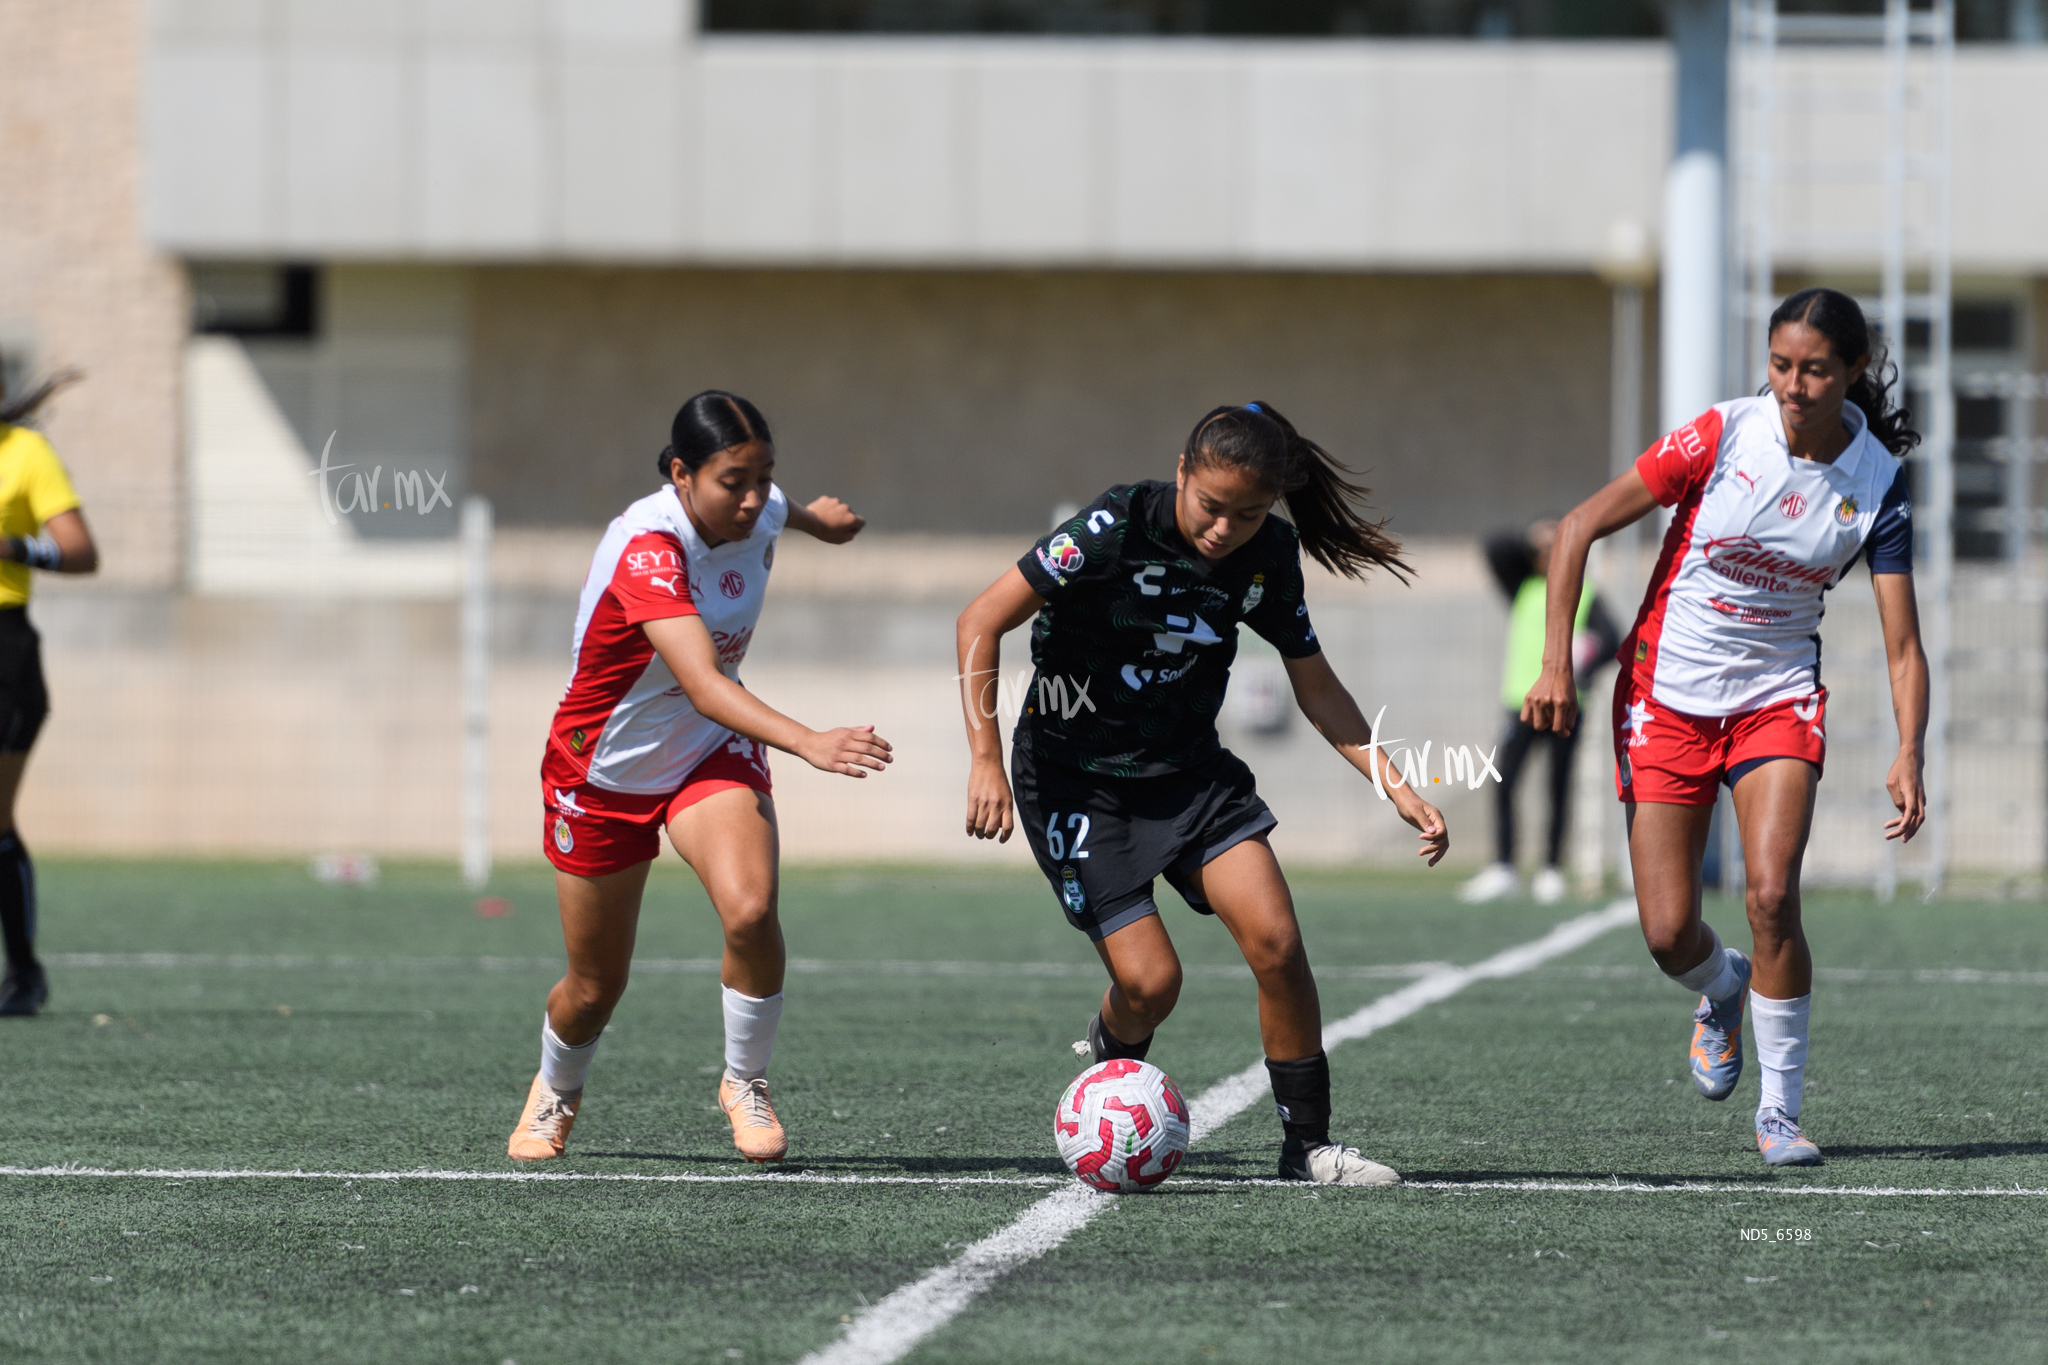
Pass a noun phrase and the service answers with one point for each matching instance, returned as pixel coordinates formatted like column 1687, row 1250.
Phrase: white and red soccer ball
column 1122, row 1126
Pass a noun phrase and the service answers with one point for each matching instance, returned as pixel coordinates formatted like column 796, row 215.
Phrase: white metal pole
column 476, row 691
column 1941, row 487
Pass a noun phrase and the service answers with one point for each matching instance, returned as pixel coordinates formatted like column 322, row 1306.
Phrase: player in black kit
column 1119, row 775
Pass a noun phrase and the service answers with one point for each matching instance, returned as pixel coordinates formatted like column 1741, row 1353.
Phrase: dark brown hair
column 1322, row 500
column 14, row 411
column 1835, row 316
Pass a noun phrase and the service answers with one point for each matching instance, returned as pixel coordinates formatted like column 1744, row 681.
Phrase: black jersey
column 1134, row 645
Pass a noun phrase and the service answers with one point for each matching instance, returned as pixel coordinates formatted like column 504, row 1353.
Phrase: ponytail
column 712, row 421
column 1323, row 502
column 1835, row 316
column 16, row 411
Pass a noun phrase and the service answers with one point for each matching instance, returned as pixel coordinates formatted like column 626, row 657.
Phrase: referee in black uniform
column 1119, row 774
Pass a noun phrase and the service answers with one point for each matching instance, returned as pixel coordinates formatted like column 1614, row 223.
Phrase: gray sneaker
column 1331, row 1164
column 1779, row 1139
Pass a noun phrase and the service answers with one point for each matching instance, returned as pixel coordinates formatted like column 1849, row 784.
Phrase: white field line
column 892, row 1328
column 175, row 1176
column 668, row 966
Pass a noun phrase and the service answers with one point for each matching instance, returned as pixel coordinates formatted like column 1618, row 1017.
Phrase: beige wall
column 78, row 284
column 976, row 401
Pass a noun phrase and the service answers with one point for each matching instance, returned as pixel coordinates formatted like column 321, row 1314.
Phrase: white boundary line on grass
column 176, row 1176
column 892, row 1328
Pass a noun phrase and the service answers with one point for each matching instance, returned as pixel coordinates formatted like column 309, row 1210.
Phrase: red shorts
column 1666, row 755
column 590, row 830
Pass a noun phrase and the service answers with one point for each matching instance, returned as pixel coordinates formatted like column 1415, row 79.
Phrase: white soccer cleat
column 1331, row 1164
column 1491, row 885
column 1548, row 888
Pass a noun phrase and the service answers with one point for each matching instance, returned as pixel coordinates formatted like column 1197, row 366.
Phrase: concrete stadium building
column 489, row 246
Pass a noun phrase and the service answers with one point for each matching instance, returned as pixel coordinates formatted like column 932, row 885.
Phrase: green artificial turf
column 391, row 1028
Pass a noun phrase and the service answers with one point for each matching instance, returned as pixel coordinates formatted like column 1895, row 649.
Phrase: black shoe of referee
column 23, row 991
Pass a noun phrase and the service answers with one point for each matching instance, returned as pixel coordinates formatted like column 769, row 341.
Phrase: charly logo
column 359, row 492
column 1253, row 594
column 1793, row 506
column 564, row 840
column 1070, row 890
column 1845, row 510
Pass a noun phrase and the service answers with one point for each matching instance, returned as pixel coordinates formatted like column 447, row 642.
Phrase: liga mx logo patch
column 1253, row 595
column 564, row 840
column 1071, row 893
column 1064, row 553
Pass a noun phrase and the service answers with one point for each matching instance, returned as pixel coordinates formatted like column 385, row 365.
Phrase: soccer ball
column 1122, row 1126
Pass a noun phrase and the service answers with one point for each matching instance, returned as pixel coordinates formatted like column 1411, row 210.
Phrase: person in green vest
column 1520, row 561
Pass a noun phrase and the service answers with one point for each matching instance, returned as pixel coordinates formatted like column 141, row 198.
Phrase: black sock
column 1301, row 1092
column 17, row 902
column 1114, row 1047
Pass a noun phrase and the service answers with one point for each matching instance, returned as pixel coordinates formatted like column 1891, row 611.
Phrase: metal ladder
column 1775, row 102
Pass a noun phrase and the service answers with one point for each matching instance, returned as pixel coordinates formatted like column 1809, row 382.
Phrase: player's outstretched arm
column 1898, row 611
column 1005, row 605
column 827, row 519
column 685, row 646
column 1329, row 706
column 1553, row 703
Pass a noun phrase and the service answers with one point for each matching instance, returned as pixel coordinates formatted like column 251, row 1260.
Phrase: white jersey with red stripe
column 1731, row 621
column 625, row 723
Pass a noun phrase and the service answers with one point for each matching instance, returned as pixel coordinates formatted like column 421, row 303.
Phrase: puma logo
column 668, row 583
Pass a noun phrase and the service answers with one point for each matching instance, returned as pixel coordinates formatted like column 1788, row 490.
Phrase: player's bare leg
column 1245, row 888
column 1774, row 804
column 600, row 919
column 730, row 840
column 1144, row 985
column 1667, row 845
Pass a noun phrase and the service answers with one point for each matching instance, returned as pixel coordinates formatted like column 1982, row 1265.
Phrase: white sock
column 1716, row 975
column 562, row 1068
column 750, row 1032
column 1779, row 1027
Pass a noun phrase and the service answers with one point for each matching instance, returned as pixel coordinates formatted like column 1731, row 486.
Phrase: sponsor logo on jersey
column 1792, row 505
column 1690, row 442
column 669, row 583
column 1070, row 891
column 577, row 739
column 732, row 646
column 1063, row 554
column 643, row 562
column 1845, row 510
column 1748, row 614
column 732, row 583
column 1253, row 594
column 564, row 840
column 1745, row 560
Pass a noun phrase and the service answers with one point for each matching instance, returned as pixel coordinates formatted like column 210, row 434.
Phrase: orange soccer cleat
column 755, row 1129
column 544, row 1128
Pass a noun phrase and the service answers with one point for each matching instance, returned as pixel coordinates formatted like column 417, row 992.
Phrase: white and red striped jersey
column 625, row 724
column 1731, row 621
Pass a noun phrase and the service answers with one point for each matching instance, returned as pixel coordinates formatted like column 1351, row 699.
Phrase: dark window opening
column 255, row 299
column 1992, row 21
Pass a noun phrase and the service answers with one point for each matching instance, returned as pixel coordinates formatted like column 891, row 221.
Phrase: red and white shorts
column 590, row 830
column 1665, row 755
